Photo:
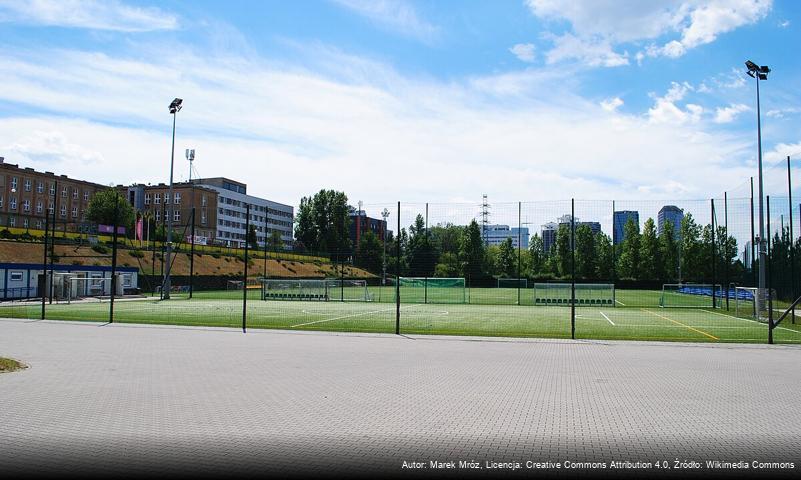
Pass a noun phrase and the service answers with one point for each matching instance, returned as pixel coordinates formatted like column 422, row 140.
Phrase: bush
column 136, row 253
column 100, row 249
column 215, row 255
column 5, row 233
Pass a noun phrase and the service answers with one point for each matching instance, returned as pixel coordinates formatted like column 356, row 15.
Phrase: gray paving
column 145, row 399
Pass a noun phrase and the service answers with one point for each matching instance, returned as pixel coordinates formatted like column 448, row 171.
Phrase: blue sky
column 399, row 100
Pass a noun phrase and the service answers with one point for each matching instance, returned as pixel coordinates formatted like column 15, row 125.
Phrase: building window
column 203, row 201
column 13, row 203
column 176, row 216
column 50, row 208
column 12, row 222
column 166, row 198
column 74, row 212
column 40, row 187
column 25, row 223
column 147, row 199
column 15, row 276
column 13, row 183
column 26, row 205
column 64, row 192
column 52, row 189
column 203, row 217
column 86, row 195
column 75, row 193
column 27, row 185
column 1, row 201
column 157, row 199
column 39, row 224
column 158, row 215
column 63, row 211
column 177, row 198
column 38, row 206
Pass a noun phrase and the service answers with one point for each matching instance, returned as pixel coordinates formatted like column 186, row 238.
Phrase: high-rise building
column 548, row 233
column 360, row 224
column 672, row 214
column 497, row 234
column 620, row 219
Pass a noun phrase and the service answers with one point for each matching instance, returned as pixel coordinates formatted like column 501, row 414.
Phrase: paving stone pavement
column 104, row 399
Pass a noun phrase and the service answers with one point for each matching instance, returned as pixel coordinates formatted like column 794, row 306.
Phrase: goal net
column 282, row 289
column 692, row 295
column 586, row 294
column 431, row 290
column 512, row 283
column 750, row 304
column 348, row 290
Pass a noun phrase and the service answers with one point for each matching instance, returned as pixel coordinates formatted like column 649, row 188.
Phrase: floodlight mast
column 760, row 73
column 175, row 107
column 385, row 214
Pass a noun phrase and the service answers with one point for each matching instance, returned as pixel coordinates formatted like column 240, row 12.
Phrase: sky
column 393, row 100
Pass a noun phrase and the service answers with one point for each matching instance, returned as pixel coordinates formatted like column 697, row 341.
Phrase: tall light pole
column 385, row 214
column 175, row 107
column 760, row 73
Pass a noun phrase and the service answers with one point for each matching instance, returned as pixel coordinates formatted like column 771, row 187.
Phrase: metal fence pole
column 53, row 239
column 43, row 288
column 425, row 278
column 753, row 239
column 614, row 245
column 572, row 268
column 792, row 240
column 519, row 249
column 114, row 256
column 769, row 273
column 714, row 253
column 245, row 280
column 726, row 246
column 397, row 273
column 192, row 257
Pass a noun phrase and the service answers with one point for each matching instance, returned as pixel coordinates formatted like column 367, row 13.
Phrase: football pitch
column 636, row 315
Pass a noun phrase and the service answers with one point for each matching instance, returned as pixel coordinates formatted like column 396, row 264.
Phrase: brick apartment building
column 155, row 202
column 26, row 196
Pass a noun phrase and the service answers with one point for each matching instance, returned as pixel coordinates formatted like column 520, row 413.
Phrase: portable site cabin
column 26, row 280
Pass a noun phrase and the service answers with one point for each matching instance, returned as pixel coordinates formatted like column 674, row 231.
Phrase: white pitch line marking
column 348, row 316
column 618, row 301
column 607, row 319
column 751, row 320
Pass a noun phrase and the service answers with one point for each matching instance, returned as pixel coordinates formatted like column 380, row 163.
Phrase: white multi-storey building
column 265, row 215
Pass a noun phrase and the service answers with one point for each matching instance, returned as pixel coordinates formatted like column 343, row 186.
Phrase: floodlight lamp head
column 190, row 154
column 751, row 66
column 751, row 74
column 175, row 106
column 762, row 76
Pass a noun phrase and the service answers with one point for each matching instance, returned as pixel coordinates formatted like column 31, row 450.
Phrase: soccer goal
column 587, row 294
column 235, row 285
column 81, row 287
column 432, row 290
column 348, row 290
column 512, row 283
column 691, row 295
column 750, row 304
column 283, row 289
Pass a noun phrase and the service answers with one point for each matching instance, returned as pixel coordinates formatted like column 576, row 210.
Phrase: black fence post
column 714, row 254
column 245, row 280
column 769, row 274
column 114, row 256
column 792, row 239
column 425, row 278
column 753, row 239
column 726, row 257
column 519, row 249
column 614, row 247
column 572, row 268
column 53, row 240
column 397, row 273
column 43, row 288
column 192, row 256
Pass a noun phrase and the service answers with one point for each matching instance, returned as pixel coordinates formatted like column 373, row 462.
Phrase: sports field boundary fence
column 682, row 270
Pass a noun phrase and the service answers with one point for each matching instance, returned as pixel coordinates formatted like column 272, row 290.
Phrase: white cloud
column 397, row 15
column 784, row 24
column 90, row 14
column 611, row 104
column 782, row 112
column 592, row 52
column 730, row 113
column 665, row 110
column 291, row 131
column 523, row 51
column 610, row 24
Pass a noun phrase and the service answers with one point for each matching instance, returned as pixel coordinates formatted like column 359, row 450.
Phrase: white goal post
column 748, row 303
column 333, row 289
column 587, row 294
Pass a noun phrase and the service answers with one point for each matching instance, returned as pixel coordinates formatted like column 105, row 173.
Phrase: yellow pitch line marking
column 683, row 325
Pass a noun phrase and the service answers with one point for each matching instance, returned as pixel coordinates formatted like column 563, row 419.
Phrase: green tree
column 472, row 252
column 586, row 255
column 421, row 255
column 371, row 253
column 562, row 256
column 669, row 253
column 629, row 261
column 649, row 252
column 109, row 205
column 322, row 222
column 448, row 266
column 690, row 250
column 274, row 241
column 507, row 260
column 251, row 237
column 606, row 256
column 537, row 255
